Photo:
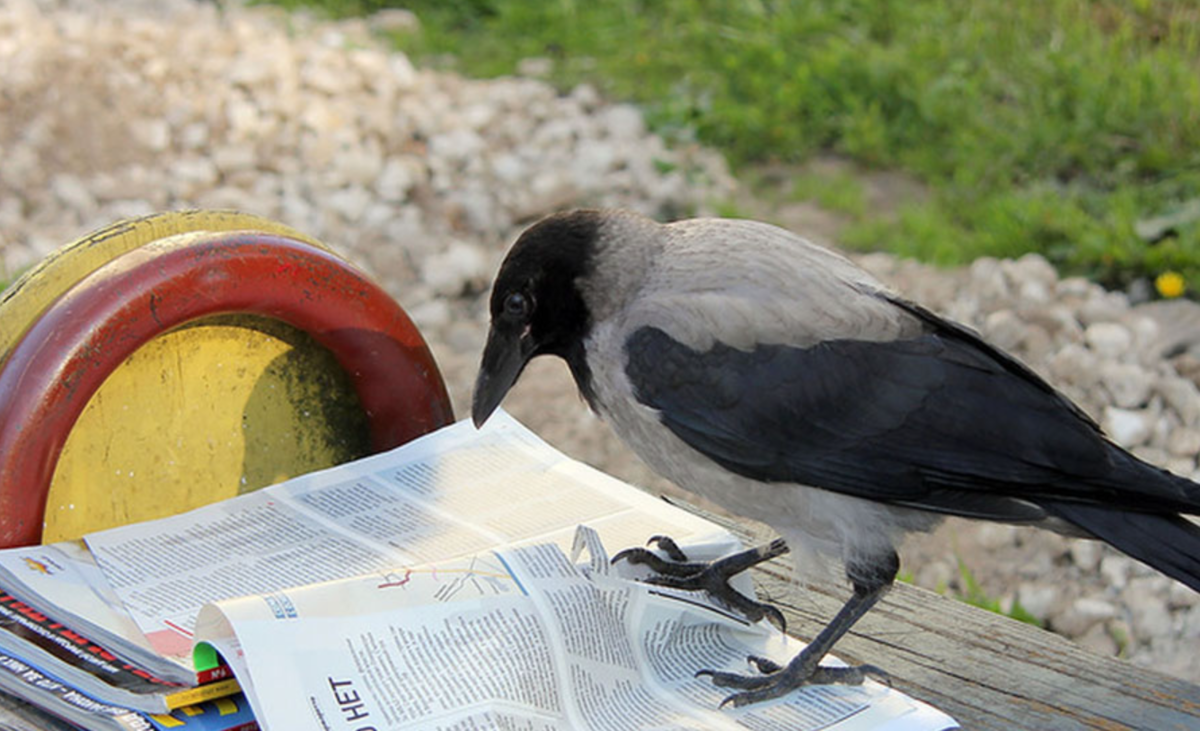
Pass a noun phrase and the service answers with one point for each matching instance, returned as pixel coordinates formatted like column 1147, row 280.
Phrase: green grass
column 1037, row 125
column 972, row 593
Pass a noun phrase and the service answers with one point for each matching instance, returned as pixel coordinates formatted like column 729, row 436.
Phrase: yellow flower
column 1170, row 284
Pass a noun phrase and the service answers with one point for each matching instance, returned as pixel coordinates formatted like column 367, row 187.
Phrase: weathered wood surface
column 986, row 670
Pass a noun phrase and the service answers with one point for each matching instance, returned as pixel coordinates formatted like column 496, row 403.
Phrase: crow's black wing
column 940, row 421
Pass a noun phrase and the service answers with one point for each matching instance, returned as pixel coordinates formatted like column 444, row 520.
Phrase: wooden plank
column 987, row 670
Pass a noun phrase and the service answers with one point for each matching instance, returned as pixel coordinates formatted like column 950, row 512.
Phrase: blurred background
column 1031, row 168
column 1070, row 128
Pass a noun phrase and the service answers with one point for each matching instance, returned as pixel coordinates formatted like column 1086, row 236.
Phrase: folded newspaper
column 437, row 586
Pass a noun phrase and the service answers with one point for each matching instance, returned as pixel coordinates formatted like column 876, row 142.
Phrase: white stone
column 1086, row 554
column 324, row 78
column 397, row 178
column 1184, row 442
column 194, row 136
column 235, row 157
column 73, row 193
column 404, row 74
column 128, row 208
column 1182, row 466
column 1077, row 287
column 1037, row 598
column 451, row 272
column 191, row 175
column 1128, row 384
column 1004, row 329
column 1108, row 339
column 1115, row 570
column 1099, row 640
column 1076, row 364
column 154, row 134
column 350, row 202
column 1149, row 616
column 623, row 121
column 1182, row 396
column 1103, row 306
column 1035, row 268
column 1127, row 427
column 1082, row 615
column 457, row 145
column 357, row 165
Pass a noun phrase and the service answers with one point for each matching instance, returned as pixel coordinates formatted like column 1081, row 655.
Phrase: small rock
column 1116, row 570
column 1101, row 306
column 73, row 193
column 1128, row 384
column 194, row 136
column 1148, row 615
column 1004, row 329
column 457, row 270
column 154, row 134
column 1099, row 639
column 1184, row 442
column 1075, row 364
column 350, row 202
column 996, row 535
column 1108, row 339
column 1182, row 396
column 1127, row 427
column 1037, row 598
column 235, row 158
column 1074, row 287
column 1086, row 554
column 1180, row 596
column 623, row 121
column 1082, row 614
column 1153, row 455
column 1182, row 466
column 397, row 178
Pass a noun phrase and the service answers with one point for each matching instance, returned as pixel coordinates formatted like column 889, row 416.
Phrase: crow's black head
column 536, row 306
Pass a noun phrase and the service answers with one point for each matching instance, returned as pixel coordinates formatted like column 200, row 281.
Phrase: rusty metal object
column 159, row 289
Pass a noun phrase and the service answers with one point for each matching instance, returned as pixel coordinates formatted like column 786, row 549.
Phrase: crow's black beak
column 504, row 357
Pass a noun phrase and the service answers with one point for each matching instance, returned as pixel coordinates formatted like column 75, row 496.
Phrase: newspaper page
column 519, row 639
column 454, row 493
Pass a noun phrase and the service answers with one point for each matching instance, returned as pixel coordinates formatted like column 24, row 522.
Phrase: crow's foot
column 777, row 680
column 679, row 573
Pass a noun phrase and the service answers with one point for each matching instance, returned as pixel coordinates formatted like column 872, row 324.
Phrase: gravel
column 121, row 108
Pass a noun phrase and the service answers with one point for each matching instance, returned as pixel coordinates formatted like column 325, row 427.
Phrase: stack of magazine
column 460, row 583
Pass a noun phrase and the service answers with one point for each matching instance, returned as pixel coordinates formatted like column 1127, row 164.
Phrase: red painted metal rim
column 88, row 332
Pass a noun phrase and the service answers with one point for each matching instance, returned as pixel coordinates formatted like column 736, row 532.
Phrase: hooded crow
column 781, row 381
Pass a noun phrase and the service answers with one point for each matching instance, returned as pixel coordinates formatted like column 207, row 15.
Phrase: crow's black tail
column 1167, row 542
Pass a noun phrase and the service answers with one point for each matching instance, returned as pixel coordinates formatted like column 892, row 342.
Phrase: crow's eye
column 517, row 305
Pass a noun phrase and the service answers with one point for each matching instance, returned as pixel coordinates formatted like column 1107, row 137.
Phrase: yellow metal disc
column 203, row 412
column 25, row 298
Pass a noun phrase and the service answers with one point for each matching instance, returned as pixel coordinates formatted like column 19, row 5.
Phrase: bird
column 778, row 379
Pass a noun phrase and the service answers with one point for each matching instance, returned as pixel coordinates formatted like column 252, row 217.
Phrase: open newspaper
column 462, row 609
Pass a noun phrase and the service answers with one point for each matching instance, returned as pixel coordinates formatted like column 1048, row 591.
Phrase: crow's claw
column 668, row 546
column 678, row 573
column 777, row 680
